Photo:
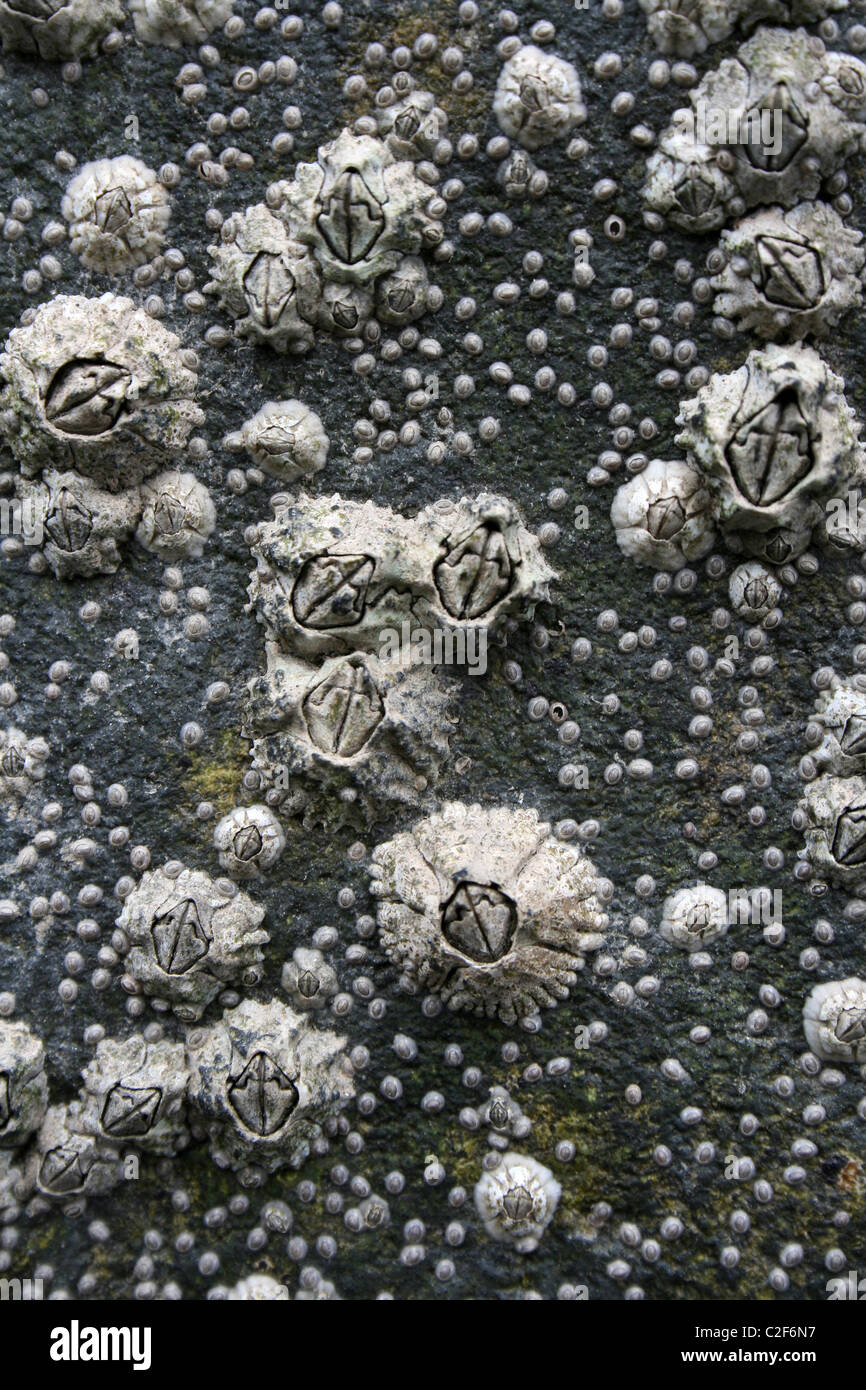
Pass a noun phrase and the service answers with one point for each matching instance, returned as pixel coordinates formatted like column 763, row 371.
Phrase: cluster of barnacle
column 61, row 30
column 685, row 27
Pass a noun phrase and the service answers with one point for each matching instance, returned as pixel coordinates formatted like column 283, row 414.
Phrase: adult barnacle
column 265, row 281
column 98, row 386
column 685, row 184
column 178, row 515
column 264, row 1081
column 401, row 295
column 308, row 979
column 23, row 1086
column 537, row 98
column 834, row 1020
column 83, row 527
column 134, row 1093
column 412, row 126
column 67, row 1165
column 520, row 177
column 685, row 27
column 840, row 712
column 57, row 30
column 754, row 591
column 118, row 211
column 285, row 438
column 248, row 841
column 175, row 22
column 190, row 937
column 22, row 764
column 835, row 832
column 663, row 517
column 694, row 917
column 790, row 274
column 486, row 908
column 517, row 1200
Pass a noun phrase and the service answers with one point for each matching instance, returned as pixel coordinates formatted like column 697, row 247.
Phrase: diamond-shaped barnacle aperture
column 264, row 1080
column 22, row 766
column 520, row 177
column 98, row 386
column 686, row 185
column 23, row 1085
column 517, row 1200
column 754, row 591
column 309, row 980
column 401, row 295
column 485, row 907
column 117, row 211
column 190, row 937
column 83, row 527
column 663, row 515
column 265, row 281
column 840, row 712
column 775, row 438
column 359, row 209
column 344, row 310
column 178, row 515
column 67, row 1165
column 176, row 22
column 834, row 1020
column 835, row 828
column 682, row 28
column 135, row 1093
column 537, row 98
column 343, row 708
column 412, row 126
column 790, row 275
column 694, row 917
column 57, row 30
column 249, row 841
column 285, row 438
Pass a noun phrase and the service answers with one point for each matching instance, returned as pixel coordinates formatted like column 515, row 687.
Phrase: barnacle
column 134, row 1093
column 285, row 438
column 265, row 280
column 413, row 125
column 176, row 22
column 840, row 712
column 22, row 765
column 834, row 811
column 177, row 515
column 66, row 1165
column 517, row 1201
column 834, row 1020
column 57, row 30
column 663, row 516
column 248, row 840
column 23, row 1085
column 118, row 211
column 538, row 97
column 686, row 27
column 754, row 591
column 694, row 917
column 686, row 184
column 308, row 979
column 83, row 526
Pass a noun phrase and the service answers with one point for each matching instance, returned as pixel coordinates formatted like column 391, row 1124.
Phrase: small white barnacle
column 412, row 126
column 401, row 295
column 57, row 30
column 663, row 515
column 537, row 98
column 249, row 840
column 265, row 280
column 790, row 274
column 485, row 907
column 178, row 515
column 840, row 712
column 685, row 184
column 834, row 1020
column 517, row 1201
column 754, row 591
column 176, row 22
column 66, row 1165
column 118, row 211
column 22, row 765
column 135, row 1093
column 190, row 937
column 258, row 1288
column 98, row 386
column 83, row 527
column 693, row 917
column 285, row 438
column 23, row 1085
column 835, row 828
column 309, row 980
column 264, row 1081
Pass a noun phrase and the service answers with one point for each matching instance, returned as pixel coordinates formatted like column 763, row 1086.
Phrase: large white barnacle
column 694, row 917
column 98, row 386
column 834, row 1020
column 22, row 765
column 266, row 281
column 537, row 98
column 686, row 184
column 835, row 830
column 840, row 712
column 517, row 1200
column 178, row 515
column 248, row 840
column 176, row 22
column 135, row 1094
column 775, row 439
column 118, row 211
column 67, row 1165
column 23, row 1086
column 285, row 438
column 190, row 937
column 663, row 515
column 485, row 907
column 57, row 30
column 790, row 274
column 83, row 527
column 264, row 1080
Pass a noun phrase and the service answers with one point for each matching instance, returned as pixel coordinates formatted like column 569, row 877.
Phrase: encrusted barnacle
column 266, row 281
column 22, row 765
column 841, row 714
column 308, row 979
column 190, row 937
column 834, row 1020
column 537, row 98
column 285, row 438
column 344, row 310
column 663, row 515
column 249, row 840
column 694, row 917
column 178, row 515
column 118, row 211
column 485, row 907
column 520, row 177
column 401, row 295
column 754, row 591
column 686, row 185
column 359, row 209
column 83, row 527
column 265, row 1080
column 685, row 27
column 176, row 22
column 835, row 828
column 517, row 1200
column 412, row 126
column 790, row 274
column 98, row 386
column 258, row 1288
column 135, row 1093
column 67, row 1165
column 23, row 1085
column 775, row 438
column 57, row 30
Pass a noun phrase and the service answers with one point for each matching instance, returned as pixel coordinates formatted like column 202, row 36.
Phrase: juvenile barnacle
column 285, row 438
column 98, row 386
column 517, row 1201
column 308, row 979
column 344, row 310
column 266, row 281
column 177, row 516
column 118, row 211
column 57, row 30
column 264, row 1081
column 135, row 1093
column 22, row 765
column 190, row 937
column 67, row 1165
column 412, row 126
column 485, row 907
column 23, row 1085
column 176, row 22
column 663, row 515
column 840, row 711
column 520, row 177
column 694, row 917
column 754, row 591
column 835, row 830
column 834, row 1020
column 249, row 840
column 790, row 274
column 537, row 98
column 685, row 184
column 83, row 527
